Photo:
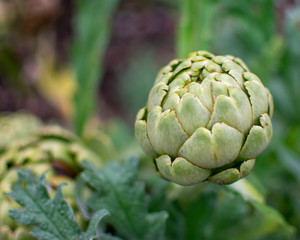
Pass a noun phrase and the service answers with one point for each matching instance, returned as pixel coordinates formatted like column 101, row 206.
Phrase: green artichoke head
column 43, row 148
column 207, row 119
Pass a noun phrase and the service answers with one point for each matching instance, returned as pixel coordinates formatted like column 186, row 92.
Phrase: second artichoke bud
column 207, row 118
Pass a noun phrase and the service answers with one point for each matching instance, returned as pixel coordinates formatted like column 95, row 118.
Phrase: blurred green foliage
column 91, row 36
column 196, row 26
column 138, row 79
column 269, row 42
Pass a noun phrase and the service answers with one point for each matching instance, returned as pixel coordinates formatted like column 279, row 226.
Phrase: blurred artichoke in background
column 25, row 143
column 207, row 118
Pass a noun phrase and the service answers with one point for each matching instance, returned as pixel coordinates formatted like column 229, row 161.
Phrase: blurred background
column 92, row 63
column 129, row 41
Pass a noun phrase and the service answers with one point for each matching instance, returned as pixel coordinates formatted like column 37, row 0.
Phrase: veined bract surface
column 207, row 118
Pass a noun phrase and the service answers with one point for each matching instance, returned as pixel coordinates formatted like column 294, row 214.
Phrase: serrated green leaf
column 53, row 219
column 117, row 190
column 91, row 231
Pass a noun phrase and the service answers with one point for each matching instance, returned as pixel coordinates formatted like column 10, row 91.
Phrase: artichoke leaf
column 203, row 93
column 165, row 132
column 246, row 167
column 258, row 98
column 181, row 171
column 257, row 139
column 157, row 94
column 141, row 134
column 192, row 114
column 234, row 110
column 212, row 149
column 228, row 176
column 185, row 64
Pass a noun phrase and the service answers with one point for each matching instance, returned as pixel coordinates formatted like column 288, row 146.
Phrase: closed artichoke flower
column 39, row 149
column 207, row 119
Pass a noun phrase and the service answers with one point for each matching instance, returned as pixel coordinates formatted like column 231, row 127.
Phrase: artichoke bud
column 49, row 148
column 207, row 119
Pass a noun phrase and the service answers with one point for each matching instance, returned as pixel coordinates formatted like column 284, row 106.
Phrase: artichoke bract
column 207, row 119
